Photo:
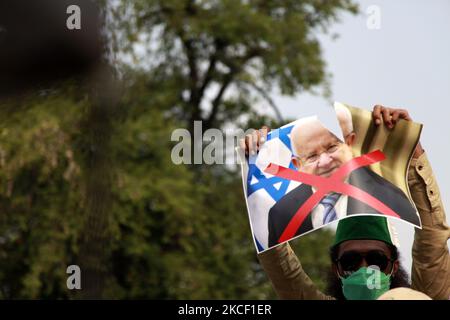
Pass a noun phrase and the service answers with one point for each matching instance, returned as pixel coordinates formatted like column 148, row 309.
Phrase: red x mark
column 326, row 185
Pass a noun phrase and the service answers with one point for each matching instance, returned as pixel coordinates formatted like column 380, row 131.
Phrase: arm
column 287, row 275
column 431, row 260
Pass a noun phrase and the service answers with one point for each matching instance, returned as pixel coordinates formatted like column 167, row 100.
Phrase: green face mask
column 365, row 284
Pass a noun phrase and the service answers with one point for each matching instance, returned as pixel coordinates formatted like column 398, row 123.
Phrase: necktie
column 329, row 202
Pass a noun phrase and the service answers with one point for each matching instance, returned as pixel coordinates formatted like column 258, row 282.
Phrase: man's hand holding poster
column 303, row 176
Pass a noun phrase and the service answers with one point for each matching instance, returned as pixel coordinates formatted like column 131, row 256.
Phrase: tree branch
column 194, row 97
column 218, row 99
column 235, row 65
column 219, row 47
column 269, row 100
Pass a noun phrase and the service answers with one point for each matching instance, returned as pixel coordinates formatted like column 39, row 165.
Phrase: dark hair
column 334, row 287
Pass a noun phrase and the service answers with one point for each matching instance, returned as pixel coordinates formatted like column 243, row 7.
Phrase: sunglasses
column 351, row 261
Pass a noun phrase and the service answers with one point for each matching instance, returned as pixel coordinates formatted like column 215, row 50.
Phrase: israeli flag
column 263, row 190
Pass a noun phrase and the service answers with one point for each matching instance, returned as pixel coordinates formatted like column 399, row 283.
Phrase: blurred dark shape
column 37, row 48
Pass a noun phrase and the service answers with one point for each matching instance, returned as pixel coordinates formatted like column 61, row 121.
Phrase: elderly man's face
column 319, row 151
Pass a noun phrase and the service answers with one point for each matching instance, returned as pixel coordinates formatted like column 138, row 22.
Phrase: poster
column 306, row 176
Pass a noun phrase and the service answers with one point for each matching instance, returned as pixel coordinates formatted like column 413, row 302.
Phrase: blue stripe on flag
column 258, row 245
column 268, row 183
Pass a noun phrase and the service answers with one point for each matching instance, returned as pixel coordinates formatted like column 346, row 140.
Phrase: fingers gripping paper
column 305, row 177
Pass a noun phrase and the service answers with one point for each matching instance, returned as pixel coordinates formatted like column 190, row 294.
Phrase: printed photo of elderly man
column 319, row 152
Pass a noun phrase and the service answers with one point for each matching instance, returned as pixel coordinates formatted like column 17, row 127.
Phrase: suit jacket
column 363, row 178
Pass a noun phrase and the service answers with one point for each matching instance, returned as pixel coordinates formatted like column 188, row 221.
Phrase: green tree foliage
column 40, row 196
column 171, row 235
column 246, row 47
column 75, row 175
